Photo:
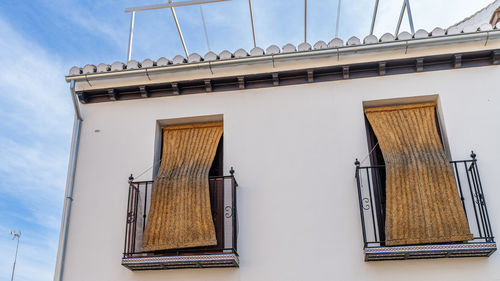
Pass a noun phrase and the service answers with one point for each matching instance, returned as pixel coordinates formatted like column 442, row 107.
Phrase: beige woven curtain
column 180, row 214
column 422, row 201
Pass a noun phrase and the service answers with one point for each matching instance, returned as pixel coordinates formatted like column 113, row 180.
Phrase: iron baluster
column 477, row 195
column 145, row 206
column 473, row 155
column 381, row 213
column 223, row 203
column 455, row 170
column 371, row 203
column 356, row 163
column 127, row 232
column 234, row 241
column 135, row 217
column 472, row 198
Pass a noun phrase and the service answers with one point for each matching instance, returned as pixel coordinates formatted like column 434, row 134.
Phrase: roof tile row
column 273, row 49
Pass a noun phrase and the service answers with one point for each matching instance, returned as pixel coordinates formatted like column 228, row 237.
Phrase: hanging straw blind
column 422, row 201
column 180, row 214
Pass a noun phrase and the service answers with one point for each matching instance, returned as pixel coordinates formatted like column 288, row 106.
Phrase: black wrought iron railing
column 371, row 196
column 224, row 213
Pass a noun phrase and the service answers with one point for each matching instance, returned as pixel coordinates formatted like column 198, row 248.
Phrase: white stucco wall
column 293, row 149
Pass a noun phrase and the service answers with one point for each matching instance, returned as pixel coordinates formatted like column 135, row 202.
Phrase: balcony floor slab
column 182, row 261
column 479, row 249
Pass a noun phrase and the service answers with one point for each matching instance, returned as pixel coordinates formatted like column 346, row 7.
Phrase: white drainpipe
column 70, row 182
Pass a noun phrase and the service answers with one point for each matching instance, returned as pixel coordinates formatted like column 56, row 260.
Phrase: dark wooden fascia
column 293, row 77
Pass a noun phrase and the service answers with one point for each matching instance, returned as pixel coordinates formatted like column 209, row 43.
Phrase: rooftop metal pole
column 400, row 18
column 410, row 18
column 305, row 20
column 16, row 235
column 170, row 5
column 338, row 18
column 251, row 20
column 130, row 36
column 374, row 17
column 179, row 31
column 204, row 27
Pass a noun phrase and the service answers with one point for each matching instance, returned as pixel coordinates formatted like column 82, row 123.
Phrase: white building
column 291, row 124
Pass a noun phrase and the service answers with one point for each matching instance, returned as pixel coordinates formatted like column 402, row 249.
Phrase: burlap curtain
column 422, row 201
column 180, row 214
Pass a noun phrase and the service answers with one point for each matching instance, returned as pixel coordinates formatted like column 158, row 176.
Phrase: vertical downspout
column 70, row 182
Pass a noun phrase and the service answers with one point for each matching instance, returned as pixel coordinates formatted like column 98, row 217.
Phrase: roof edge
column 370, row 48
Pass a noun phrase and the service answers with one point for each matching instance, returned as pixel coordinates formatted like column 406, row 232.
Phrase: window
column 180, row 214
column 189, row 210
column 410, row 194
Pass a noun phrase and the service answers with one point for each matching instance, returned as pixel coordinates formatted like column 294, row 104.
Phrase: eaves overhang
column 237, row 70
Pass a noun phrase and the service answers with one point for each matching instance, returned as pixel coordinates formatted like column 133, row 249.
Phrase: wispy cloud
column 91, row 19
column 34, row 145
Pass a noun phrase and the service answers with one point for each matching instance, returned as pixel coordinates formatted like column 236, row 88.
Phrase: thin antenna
column 131, row 36
column 400, row 18
column 204, row 27
column 18, row 236
column 251, row 21
column 305, row 20
column 338, row 18
column 410, row 18
column 406, row 5
column 170, row 5
column 179, row 31
column 374, row 17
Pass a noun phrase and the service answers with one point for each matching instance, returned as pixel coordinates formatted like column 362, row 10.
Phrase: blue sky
column 41, row 39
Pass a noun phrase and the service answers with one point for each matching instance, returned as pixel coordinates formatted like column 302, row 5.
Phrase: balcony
column 224, row 213
column 370, row 185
